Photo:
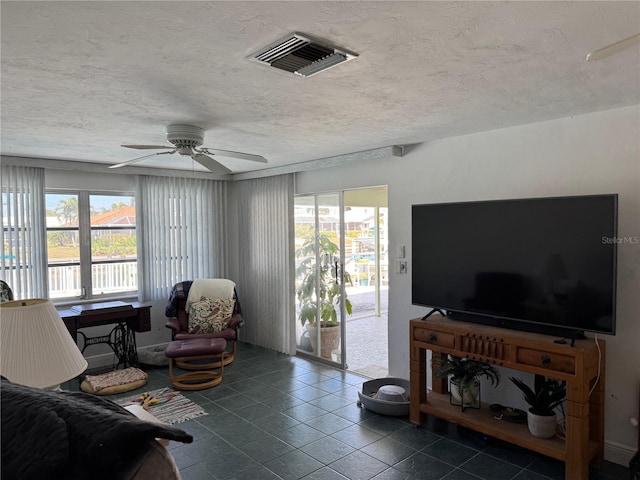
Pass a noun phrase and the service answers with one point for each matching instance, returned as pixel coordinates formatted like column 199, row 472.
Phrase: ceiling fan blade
column 211, row 164
column 134, row 160
column 148, row 147
column 230, row 154
column 614, row 48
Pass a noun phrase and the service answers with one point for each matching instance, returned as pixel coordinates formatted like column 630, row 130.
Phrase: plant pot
column 541, row 426
column 329, row 339
column 305, row 342
column 470, row 394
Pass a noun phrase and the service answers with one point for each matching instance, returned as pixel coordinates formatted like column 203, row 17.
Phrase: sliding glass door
column 321, row 302
column 342, row 278
column 366, row 271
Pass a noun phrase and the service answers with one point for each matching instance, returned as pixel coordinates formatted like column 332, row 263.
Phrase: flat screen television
column 541, row 264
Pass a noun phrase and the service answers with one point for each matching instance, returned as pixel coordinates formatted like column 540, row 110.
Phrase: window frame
column 85, row 231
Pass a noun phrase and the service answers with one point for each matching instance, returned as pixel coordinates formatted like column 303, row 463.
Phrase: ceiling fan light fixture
column 187, row 141
column 185, row 151
column 185, row 136
column 301, row 55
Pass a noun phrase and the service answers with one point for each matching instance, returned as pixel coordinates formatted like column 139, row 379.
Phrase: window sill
column 126, row 297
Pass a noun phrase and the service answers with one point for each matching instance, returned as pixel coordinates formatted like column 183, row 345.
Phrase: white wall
column 587, row 154
column 76, row 180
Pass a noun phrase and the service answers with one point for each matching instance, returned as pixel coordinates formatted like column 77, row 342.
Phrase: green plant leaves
column 319, row 292
column 465, row 370
column 547, row 394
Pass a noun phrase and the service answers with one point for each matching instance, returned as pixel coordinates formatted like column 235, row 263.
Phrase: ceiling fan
column 187, row 140
column 614, row 48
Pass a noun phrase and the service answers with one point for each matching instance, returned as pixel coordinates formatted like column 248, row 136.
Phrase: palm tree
column 67, row 210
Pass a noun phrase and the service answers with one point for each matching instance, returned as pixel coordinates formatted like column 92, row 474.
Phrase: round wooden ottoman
column 210, row 350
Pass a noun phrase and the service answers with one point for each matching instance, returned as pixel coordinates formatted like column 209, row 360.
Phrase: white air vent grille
column 280, row 49
column 298, row 54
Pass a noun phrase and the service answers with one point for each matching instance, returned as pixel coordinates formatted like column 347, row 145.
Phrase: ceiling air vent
column 298, row 54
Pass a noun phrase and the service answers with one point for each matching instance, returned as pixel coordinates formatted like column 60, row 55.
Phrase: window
column 91, row 244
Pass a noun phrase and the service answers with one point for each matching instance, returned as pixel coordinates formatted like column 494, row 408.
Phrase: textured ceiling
column 81, row 78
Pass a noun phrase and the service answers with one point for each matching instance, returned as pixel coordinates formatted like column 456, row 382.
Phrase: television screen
column 525, row 263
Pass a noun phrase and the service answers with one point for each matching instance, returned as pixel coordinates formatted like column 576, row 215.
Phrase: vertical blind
column 265, row 226
column 24, row 260
column 182, row 226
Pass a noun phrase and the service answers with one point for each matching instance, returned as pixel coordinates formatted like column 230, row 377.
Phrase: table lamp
column 36, row 349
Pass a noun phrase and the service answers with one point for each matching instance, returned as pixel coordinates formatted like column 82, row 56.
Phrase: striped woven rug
column 166, row 405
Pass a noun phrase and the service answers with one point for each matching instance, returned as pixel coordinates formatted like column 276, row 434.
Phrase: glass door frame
column 334, row 264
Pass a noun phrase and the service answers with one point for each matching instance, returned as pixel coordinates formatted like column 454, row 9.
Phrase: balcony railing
column 108, row 278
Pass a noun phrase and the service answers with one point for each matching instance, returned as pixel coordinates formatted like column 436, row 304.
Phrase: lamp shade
column 36, row 349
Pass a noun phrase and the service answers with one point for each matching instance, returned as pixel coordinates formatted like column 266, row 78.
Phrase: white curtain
column 265, row 227
column 182, row 225
column 24, row 243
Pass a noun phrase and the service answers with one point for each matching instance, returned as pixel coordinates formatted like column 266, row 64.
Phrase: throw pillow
column 226, row 304
column 210, row 315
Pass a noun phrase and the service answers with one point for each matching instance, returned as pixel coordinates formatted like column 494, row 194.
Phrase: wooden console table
column 527, row 352
column 127, row 317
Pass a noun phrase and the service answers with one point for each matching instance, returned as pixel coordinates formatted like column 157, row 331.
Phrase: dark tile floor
column 281, row 417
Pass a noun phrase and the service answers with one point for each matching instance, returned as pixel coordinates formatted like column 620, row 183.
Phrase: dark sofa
column 74, row 435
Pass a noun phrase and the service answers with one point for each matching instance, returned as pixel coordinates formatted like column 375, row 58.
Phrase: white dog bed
column 153, row 356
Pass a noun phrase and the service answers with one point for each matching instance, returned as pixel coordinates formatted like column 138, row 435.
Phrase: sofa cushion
column 155, row 463
column 210, row 315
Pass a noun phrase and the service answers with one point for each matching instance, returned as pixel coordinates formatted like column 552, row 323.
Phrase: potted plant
column 546, row 395
column 465, row 374
column 319, row 292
